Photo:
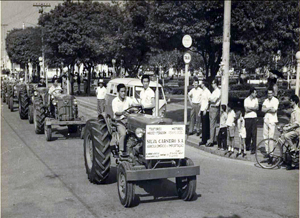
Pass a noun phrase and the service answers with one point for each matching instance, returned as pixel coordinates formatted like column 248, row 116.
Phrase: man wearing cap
column 101, row 92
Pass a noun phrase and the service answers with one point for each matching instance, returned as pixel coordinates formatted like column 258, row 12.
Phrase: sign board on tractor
column 165, row 142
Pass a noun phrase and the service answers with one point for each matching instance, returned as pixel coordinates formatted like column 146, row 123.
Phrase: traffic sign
column 187, row 41
column 187, row 58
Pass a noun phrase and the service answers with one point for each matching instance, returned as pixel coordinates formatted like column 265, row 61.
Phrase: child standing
column 242, row 132
column 231, row 127
column 222, row 136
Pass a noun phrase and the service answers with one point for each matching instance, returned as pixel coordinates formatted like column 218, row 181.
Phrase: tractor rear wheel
column 23, row 105
column 48, row 133
column 11, row 104
column 30, row 114
column 126, row 189
column 3, row 97
column 97, row 152
column 186, row 186
column 39, row 118
column 72, row 129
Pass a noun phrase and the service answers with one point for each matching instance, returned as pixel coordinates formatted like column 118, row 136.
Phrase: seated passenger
column 42, row 83
column 292, row 130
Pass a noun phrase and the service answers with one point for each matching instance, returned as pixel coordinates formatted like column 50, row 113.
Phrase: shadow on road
column 161, row 190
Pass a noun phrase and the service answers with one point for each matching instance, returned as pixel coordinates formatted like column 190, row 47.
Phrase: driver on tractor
column 54, row 90
column 120, row 104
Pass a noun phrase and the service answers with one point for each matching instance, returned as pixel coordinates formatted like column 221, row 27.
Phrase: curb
column 193, row 141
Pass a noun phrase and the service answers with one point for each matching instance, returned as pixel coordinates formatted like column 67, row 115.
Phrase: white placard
column 165, row 142
column 187, row 41
column 187, row 58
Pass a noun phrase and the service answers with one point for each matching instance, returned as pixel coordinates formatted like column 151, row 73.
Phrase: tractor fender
column 93, row 123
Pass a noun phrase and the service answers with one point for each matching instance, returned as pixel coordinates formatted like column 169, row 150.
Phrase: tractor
column 4, row 83
column 12, row 93
column 154, row 148
column 55, row 110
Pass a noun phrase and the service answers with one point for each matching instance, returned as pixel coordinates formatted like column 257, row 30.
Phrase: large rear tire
column 3, row 97
column 11, row 104
column 30, row 114
column 126, row 190
column 266, row 157
column 48, row 133
column 97, row 152
column 39, row 118
column 23, row 105
column 186, row 186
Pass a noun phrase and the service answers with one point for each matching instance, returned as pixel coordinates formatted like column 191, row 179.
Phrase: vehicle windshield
column 138, row 90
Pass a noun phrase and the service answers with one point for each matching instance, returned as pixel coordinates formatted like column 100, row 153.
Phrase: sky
column 15, row 13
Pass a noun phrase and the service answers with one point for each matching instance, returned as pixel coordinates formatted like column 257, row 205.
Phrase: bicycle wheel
column 268, row 153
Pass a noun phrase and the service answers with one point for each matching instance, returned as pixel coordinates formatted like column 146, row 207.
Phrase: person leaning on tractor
column 292, row 130
column 101, row 93
column 119, row 106
column 147, row 95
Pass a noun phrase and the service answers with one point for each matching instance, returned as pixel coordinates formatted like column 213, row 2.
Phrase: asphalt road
column 48, row 179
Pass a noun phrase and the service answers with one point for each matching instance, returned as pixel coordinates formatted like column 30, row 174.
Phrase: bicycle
column 271, row 153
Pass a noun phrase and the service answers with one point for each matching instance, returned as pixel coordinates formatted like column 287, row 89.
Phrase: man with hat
column 100, row 92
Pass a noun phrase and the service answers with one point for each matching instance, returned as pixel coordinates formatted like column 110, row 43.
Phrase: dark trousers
column 222, row 138
column 251, row 133
column 205, row 126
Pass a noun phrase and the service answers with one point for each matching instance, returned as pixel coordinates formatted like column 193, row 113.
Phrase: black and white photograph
column 150, row 109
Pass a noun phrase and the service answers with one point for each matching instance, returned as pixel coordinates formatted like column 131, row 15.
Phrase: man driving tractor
column 120, row 104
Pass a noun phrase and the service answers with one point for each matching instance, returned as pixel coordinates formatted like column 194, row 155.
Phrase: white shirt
column 271, row 117
column 249, row 102
column 230, row 118
column 101, row 92
column 205, row 99
column 146, row 97
column 54, row 90
column 196, row 95
column 120, row 106
column 215, row 97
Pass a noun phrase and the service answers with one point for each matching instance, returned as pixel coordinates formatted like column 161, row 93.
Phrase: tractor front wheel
column 30, row 114
column 96, row 146
column 186, row 186
column 126, row 189
column 23, row 105
column 48, row 133
column 39, row 118
column 11, row 104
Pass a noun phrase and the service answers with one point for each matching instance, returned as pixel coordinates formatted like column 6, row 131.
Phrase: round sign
column 187, row 58
column 187, row 41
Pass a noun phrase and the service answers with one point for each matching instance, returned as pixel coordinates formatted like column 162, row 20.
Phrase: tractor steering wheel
column 136, row 108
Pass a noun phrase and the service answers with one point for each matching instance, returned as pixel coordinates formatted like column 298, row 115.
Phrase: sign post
column 187, row 42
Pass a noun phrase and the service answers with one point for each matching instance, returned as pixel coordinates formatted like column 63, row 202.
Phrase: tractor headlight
column 75, row 101
column 139, row 132
column 35, row 93
column 54, row 102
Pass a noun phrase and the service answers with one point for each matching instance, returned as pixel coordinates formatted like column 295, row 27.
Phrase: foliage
column 23, row 45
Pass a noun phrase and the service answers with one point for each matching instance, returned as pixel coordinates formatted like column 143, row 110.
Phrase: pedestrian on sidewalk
column 242, row 133
column 101, row 93
column 214, row 111
column 222, row 136
column 270, row 107
column 204, row 112
column 251, row 107
column 230, row 123
column 194, row 97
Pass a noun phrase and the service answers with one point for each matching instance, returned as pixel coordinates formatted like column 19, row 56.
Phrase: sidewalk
column 89, row 105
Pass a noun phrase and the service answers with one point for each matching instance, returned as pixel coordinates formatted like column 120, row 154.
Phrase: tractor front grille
column 65, row 110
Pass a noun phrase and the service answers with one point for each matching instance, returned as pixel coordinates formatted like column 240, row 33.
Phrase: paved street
column 48, row 179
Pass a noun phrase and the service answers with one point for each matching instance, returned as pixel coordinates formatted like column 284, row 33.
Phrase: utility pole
column 226, row 51
column 3, row 55
column 41, row 7
column 298, row 74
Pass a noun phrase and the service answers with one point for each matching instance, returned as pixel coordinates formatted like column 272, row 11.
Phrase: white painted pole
column 186, row 81
column 226, row 51
column 298, row 74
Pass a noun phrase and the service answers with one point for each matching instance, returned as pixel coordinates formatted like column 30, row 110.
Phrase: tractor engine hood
column 141, row 120
column 64, row 97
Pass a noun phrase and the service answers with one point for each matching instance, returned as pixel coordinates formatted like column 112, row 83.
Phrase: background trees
column 137, row 33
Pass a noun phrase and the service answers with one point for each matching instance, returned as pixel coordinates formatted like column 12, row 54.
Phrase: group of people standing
column 207, row 110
